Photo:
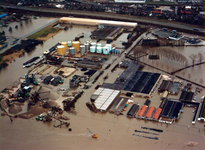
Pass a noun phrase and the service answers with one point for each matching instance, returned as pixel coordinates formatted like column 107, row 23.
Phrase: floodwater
column 114, row 132
column 15, row 69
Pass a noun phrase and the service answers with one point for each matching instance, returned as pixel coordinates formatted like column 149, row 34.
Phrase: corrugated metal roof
column 105, row 98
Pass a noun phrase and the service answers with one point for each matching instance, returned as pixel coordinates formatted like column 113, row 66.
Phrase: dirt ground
column 11, row 57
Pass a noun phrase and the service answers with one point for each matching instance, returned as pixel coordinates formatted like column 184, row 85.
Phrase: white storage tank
column 82, row 49
column 93, row 44
column 61, row 49
column 105, row 50
column 72, row 51
column 92, row 49
column 99, row 45
column 69, row 43
column 99, row 50
column 109, row 46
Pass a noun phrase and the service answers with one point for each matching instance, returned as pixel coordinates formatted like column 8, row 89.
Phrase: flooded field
column 114, row 132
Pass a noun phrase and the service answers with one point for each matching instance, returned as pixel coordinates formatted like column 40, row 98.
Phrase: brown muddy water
column 15, row 69
column 114, row 132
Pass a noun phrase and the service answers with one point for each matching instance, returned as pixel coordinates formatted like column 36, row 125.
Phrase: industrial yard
column 127, row 94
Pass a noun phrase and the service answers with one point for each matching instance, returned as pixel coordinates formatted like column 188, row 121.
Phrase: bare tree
column 169, row 54
column 201, row 81
column 193, row 58
column 200, row 56
column 183, row 73
column 189, row 76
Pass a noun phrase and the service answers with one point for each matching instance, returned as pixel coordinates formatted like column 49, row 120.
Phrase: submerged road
column 105, row 15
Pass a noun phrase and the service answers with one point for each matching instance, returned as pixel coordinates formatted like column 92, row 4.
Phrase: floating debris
column 192, row 144
column 146, row 132
column 153, row 129
column 148, row 137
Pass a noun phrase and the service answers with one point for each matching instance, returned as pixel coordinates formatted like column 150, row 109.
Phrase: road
column 106, row 15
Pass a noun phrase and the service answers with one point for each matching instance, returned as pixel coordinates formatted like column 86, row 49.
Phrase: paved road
column 112, row 16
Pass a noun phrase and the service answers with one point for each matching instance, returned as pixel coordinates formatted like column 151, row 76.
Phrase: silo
column 99, row 50
column 86, row 46
column 82, row 49
column 76, row 45
column 69, row 43
column 61, row 49
column 72, row 51
column 92, row 49
column 105, row 50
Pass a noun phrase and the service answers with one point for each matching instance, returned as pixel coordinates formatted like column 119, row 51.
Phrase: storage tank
column 65, row 44
column 92, row 49
column 61, row 49
column 109, row 46
column 86, row 46
column 93, row 44
column 99, row 45
column 82, row 49
column 99, row 50
column 69, row 43
column 72, row 51
column 76, row 45
column 105, row 50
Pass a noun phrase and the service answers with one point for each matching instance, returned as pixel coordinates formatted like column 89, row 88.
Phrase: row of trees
column 169, row 54
column 194, row 58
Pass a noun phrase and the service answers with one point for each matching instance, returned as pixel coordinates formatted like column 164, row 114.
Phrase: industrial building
column 107, row 32
column 139, row 82
column 133, row 110
column 118, row 105
column 156, row 114
column 89, row 64
column 150, row 113
column 164, row 86
column 186, row 96
column 171, row 111
column 94, row 22
column 142, row 82
column 141, row 113
column 105, row 98
column 175, row 88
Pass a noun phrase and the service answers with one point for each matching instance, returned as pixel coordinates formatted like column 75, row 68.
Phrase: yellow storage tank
column 76, row 45
column 65, row 44
column 61, row 49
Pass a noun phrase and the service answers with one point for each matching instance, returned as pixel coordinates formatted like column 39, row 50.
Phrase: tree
column 10, row 29
column 200, row 56
column 189, row 76
column 193, row 58
column 201, row 81
column 183, row 73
